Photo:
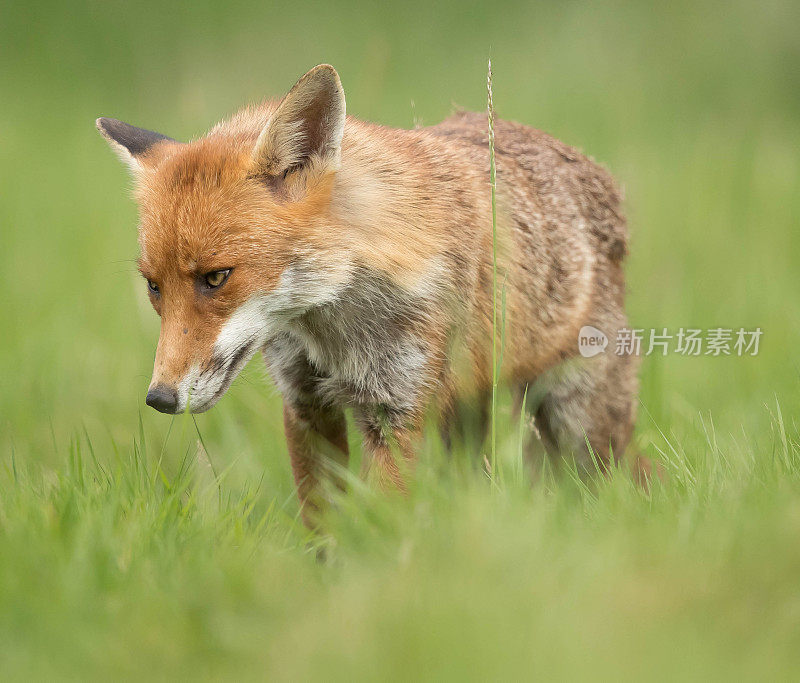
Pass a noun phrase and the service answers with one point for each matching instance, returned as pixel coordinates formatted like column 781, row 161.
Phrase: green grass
column 128, row 548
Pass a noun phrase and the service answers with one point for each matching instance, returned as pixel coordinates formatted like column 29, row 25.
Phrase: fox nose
column 163, row 398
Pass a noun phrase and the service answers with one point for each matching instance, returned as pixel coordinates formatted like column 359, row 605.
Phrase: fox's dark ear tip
column 102, row 124
column 107, row 126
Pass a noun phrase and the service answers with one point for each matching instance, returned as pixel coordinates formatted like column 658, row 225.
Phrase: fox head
column 235, row 234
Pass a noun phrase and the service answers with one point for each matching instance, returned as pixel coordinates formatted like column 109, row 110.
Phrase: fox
column 358, row 259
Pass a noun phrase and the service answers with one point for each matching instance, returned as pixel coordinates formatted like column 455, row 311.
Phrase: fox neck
column 364, row 347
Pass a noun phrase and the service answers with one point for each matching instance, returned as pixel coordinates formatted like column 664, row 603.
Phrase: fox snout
column 174, row 364
column 192, row 371
column 194, row 385
column 200, row 386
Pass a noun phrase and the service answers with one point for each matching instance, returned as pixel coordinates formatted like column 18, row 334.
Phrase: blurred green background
column 695, row 108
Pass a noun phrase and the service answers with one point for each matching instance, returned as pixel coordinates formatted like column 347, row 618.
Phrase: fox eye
column 153, row 287
column 216, row 278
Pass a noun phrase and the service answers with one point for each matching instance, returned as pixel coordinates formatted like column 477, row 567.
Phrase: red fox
column 358, row 259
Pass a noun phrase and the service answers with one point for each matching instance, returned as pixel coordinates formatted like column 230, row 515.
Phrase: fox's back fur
column 373, row 276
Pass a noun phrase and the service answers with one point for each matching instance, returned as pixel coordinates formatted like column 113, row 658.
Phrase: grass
column 134, row 545
column 124, row 569
column 495, row 336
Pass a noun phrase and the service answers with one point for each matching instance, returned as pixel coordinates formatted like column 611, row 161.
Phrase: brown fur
column 396, row 223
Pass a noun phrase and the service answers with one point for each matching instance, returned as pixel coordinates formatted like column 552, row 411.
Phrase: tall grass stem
column 493, row 183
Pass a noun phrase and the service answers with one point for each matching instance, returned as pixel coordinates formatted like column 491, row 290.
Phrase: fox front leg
column 317, row 441
column 390, row 443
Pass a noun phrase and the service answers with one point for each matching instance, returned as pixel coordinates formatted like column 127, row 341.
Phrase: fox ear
column 131, row 144
column 307, row 126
